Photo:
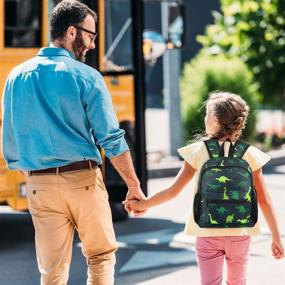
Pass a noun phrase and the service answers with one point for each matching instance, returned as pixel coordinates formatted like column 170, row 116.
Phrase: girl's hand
column 277, row 249
column 135, row 205
column 136, row 194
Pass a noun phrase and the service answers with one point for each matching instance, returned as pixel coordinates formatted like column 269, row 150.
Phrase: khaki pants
column 60, row 203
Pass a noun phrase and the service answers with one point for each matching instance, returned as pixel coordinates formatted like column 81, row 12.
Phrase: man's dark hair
column 68, row 13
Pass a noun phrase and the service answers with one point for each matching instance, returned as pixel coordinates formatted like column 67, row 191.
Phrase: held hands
column 277, row 249
column 135, row 206
column 135, row 195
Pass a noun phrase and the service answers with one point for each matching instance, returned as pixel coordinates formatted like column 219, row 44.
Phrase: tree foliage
column 206, row 74
column 254, row 31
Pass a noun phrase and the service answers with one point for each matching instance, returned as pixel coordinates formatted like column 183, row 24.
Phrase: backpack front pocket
column 219, row 213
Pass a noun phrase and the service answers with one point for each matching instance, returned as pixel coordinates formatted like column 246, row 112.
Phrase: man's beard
column 78, row 47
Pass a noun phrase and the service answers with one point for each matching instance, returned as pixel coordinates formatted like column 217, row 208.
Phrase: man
column 55, row 111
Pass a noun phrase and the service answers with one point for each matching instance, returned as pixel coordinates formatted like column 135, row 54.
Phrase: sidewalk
column 169, row 166
column 154, row 251
column 157, row 142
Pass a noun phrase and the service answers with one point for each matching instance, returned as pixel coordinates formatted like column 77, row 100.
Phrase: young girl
column 226, row 115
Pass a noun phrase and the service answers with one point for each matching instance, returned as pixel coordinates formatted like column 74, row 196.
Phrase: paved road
column 152, row 250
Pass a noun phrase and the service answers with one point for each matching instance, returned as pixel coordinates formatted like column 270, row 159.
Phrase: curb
column 164, row 170
column 275, row 162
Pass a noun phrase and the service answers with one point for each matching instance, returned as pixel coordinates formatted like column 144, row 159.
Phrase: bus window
column 51, row 5
column 118, row 36
column 22, row 23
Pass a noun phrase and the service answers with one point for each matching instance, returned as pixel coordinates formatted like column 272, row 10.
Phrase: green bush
column 205, row 74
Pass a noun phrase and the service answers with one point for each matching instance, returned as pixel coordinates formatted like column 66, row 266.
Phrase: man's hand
column 135, row 193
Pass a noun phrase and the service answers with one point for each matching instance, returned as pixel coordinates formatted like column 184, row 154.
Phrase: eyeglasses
column 94, row 35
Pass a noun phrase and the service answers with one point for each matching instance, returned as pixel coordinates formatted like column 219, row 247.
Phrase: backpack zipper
column 220, row 201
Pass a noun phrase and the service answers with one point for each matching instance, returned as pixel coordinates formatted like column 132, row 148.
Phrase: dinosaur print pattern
column 242, row 184
column 223, row 179
column 216, row 169
column 244, row 221
column 247, row 195
column 241, row 209
column 226, row 197
column 213, row 186
column 235, row 195
column 244, row 175
column 230, row 218
column 212, row 221
column 222, row 210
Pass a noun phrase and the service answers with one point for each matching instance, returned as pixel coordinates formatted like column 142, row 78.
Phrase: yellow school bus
column 122, row 48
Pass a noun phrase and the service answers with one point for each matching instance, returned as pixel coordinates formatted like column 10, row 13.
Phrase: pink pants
column 211, row 252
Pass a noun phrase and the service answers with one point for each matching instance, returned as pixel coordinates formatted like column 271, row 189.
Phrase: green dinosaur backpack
column 226, row 197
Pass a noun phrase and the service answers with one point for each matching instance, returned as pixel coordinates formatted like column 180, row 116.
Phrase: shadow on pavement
column 149, row 248
column 279, row 169
column 15, row 229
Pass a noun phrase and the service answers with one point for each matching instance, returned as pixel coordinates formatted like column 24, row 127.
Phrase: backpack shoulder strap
column 214, row 149
column 238, row 149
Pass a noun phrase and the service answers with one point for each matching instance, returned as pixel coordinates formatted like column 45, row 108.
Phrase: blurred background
column 160, row 60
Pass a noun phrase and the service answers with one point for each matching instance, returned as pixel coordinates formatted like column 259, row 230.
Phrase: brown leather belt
column 85, row 164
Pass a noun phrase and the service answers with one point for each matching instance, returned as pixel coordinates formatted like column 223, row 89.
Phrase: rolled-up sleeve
column 103, row 120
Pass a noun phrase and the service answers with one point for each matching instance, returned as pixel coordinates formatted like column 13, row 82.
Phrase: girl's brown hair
column 231, row 112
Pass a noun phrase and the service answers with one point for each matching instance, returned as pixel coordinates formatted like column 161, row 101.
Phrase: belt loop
column 90, row 164
column 57, row 170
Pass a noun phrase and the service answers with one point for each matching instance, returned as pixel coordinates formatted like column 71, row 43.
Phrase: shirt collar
column 55, row 51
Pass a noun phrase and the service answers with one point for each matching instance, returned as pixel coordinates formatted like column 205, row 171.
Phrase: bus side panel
column 122, row 92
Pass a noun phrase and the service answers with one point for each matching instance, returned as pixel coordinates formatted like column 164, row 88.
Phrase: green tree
column 255, row 31
column 206, row 74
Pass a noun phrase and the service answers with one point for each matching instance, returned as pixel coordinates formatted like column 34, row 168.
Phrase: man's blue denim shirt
column 56, row 110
